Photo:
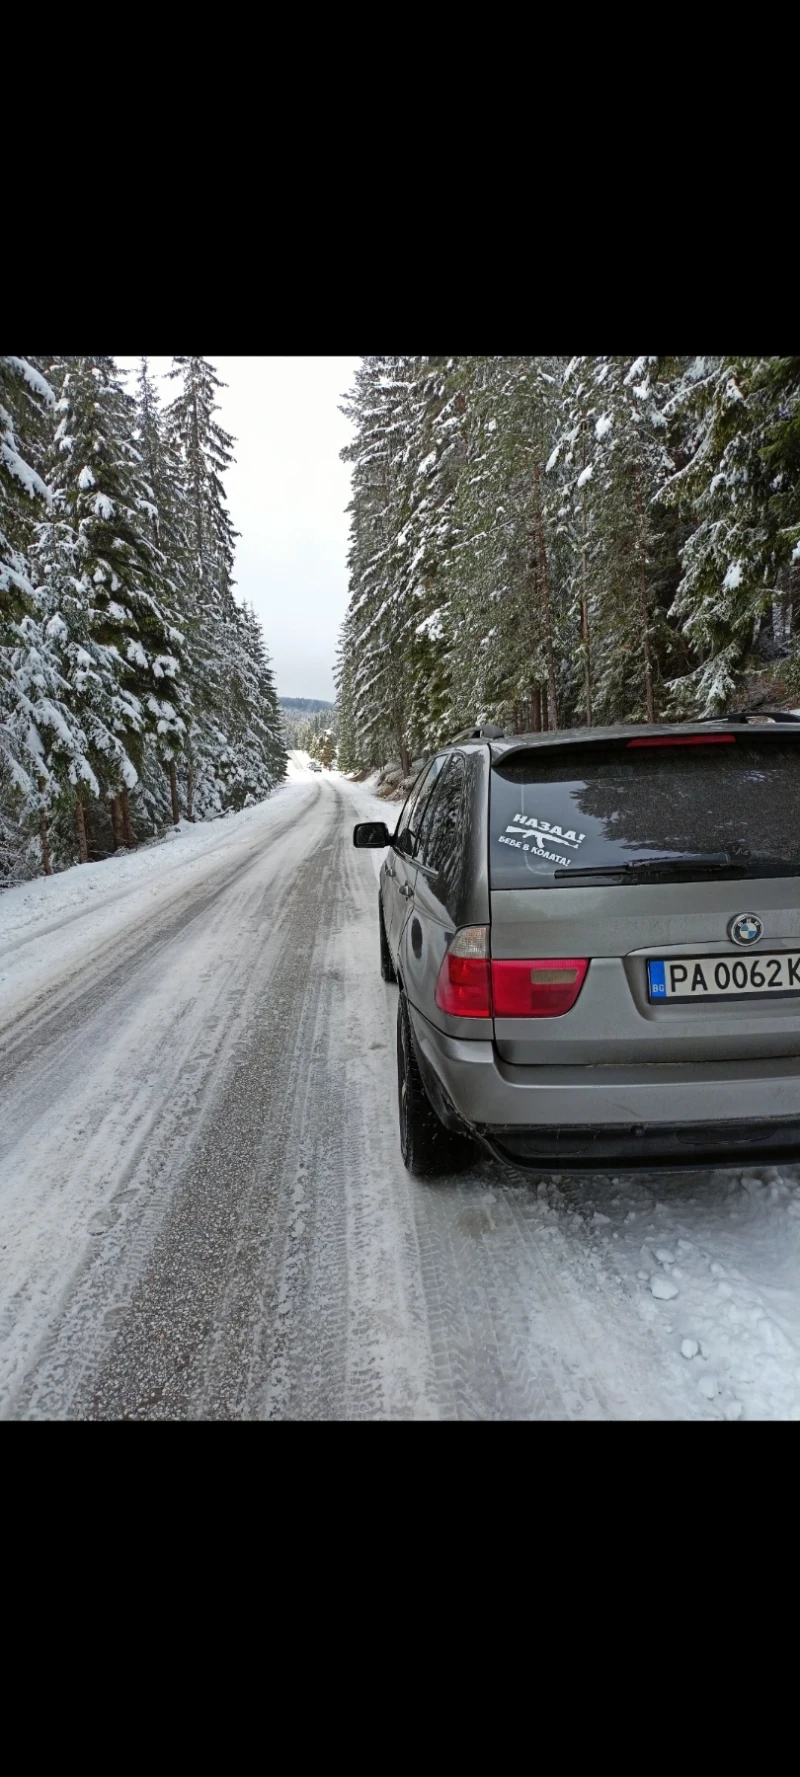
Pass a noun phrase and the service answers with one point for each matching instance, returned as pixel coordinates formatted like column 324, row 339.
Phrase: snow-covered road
column 203, row 1211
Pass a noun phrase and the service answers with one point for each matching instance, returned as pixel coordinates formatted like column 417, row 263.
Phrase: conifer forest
column 135, row 689
column 552, row 542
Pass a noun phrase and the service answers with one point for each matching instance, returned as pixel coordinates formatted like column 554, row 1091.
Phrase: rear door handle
column 406, row 891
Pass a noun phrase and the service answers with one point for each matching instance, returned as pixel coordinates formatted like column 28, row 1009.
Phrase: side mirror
column 372, row 833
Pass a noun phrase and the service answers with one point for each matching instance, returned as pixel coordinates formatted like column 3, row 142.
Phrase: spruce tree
column 235, row 751
column 99, row 577
column 41, row 741
column 724, row 491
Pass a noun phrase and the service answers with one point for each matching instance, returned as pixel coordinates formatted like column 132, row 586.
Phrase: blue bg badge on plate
column 657, row 980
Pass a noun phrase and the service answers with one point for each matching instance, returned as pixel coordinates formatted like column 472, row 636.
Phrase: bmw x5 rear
column 596, row 938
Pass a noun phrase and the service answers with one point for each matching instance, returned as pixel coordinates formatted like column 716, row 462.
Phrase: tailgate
column 600, row 806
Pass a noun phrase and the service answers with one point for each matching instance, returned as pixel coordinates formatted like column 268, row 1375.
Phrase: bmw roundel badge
column 746, row 928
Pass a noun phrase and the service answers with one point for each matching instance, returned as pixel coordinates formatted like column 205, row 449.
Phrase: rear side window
column 410, row 821
column 408, row 808
column 578, row 807
column 441, row 833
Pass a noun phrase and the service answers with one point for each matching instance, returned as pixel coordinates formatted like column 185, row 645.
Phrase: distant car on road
column 596, row 936
column 314, row 765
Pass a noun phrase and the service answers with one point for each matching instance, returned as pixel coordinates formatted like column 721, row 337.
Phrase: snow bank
column 713, row 1260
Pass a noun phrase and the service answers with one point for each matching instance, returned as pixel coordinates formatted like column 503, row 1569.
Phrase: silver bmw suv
column 596, row 937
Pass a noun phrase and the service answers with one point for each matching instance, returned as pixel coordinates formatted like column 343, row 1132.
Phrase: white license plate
column 724, row 977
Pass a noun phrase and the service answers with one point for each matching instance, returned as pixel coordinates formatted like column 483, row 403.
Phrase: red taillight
column 543, row 988
column 470, row 986
column 682, row 740
column 464, row 987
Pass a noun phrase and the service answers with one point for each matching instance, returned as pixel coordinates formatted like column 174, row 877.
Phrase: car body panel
column 618, row 928
column 488, row 1092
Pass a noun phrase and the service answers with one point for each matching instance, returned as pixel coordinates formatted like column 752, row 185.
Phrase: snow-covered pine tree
column 724, row 494
column 615, row 462
column 163, row 506
column 776, row 385
column 505, row 626
column 99, row 579
column 326, row 752
column 570, row 467
column 26, row 400
column 22, row 494
column 258, row 753
column 393, row 677
column 235, row 752
column 40, row 738
column 204, row 450
column 379, row 686
column 351, row 754
column 432, row 454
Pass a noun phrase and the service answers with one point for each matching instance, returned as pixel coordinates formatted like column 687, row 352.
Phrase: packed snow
column 51, row 924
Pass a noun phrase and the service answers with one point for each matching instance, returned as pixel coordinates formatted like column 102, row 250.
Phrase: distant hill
column 303, row 706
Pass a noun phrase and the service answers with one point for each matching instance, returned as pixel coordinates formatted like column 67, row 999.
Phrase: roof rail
column 486, row 732
column 754, row 716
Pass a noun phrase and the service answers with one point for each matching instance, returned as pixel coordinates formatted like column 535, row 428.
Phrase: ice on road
column 204, row 1214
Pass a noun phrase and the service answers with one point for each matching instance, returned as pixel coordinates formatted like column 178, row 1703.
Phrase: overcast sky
column 287, row 493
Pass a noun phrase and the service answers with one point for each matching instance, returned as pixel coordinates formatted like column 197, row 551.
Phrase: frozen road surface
column 204, row 1213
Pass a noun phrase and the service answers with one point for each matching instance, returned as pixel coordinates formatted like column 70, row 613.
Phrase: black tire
column 387, row 966
column 427, row 1147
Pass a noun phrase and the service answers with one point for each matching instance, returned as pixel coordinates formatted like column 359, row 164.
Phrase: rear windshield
column 587, row 806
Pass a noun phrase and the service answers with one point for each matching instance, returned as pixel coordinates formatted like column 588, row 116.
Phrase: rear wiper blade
column 763, row 861
column 717, row 863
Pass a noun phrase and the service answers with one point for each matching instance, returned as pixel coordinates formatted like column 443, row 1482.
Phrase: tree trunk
column 644, row 606
column 116, row 822
column 173, row 790
column 127, row 830
column 648, row 683
column 792, row 599
column 587, row 677
column 80, row 823
column 782, row 607
column 648, row 663
column 190, row 792
column 544, row 582
column 536, row 710
column 45, row 839
column 405, row 756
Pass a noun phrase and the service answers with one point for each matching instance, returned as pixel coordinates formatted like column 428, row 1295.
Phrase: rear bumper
column 671, row 1114
column 678, row 1147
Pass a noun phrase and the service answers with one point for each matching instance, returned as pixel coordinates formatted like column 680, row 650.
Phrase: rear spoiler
column 772, row 722
column 756, row 716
